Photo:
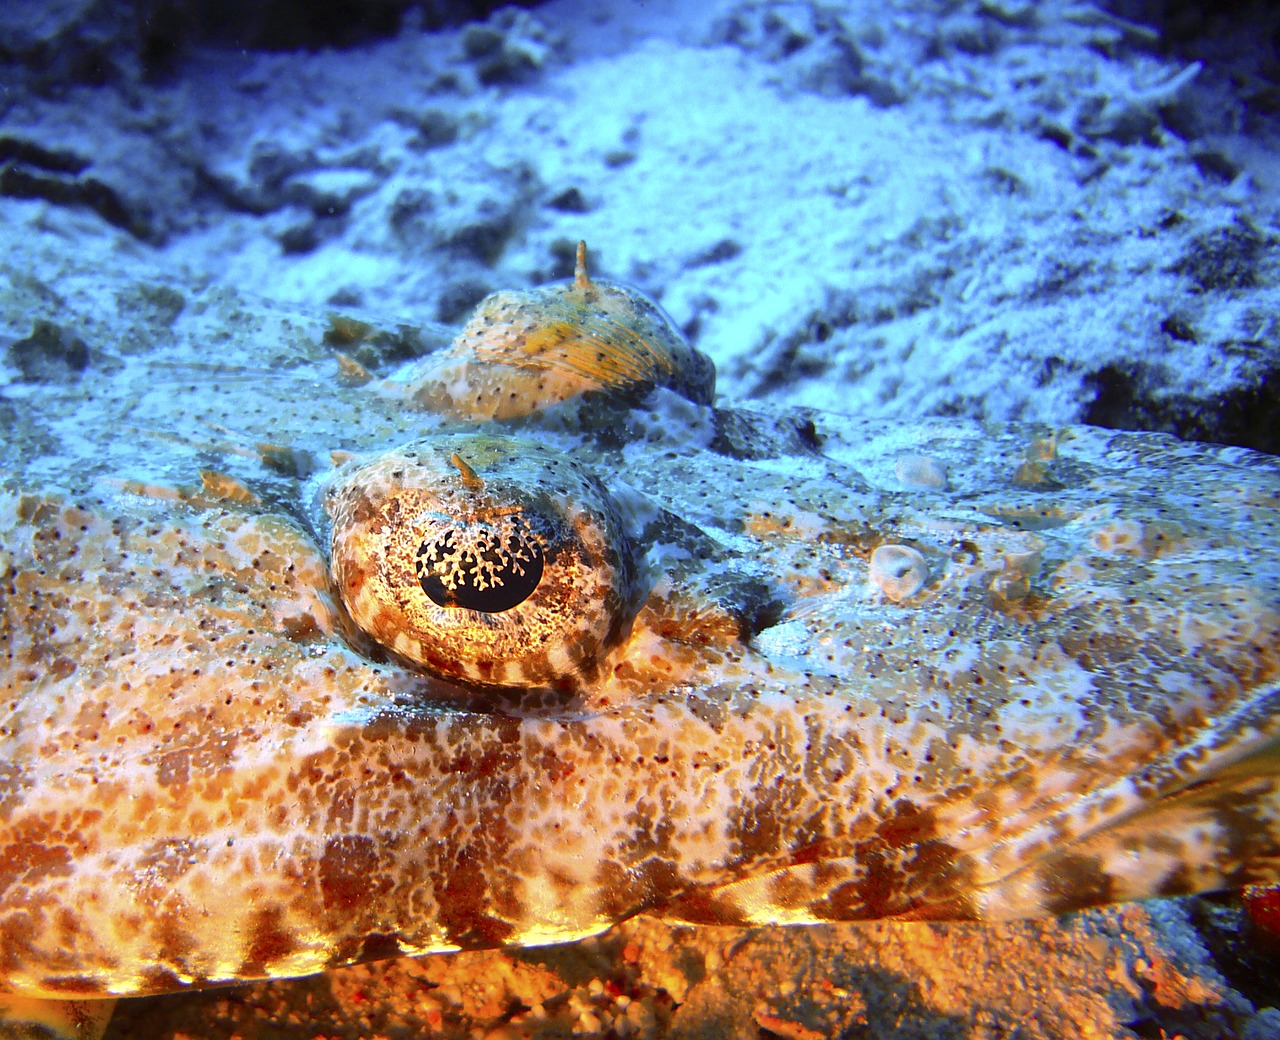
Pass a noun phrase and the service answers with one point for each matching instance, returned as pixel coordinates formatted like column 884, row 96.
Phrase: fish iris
column 482, row 566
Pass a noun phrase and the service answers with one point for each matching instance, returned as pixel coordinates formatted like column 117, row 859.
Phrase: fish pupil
column 487, row 567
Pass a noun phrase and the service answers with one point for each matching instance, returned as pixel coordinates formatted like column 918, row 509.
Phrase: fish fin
column 37, row 1018
column 1221, row 832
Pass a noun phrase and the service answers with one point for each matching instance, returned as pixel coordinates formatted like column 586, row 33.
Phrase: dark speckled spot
column 702, row 907
column 463, row 896
column 172, row 767
column 271, row 941
column 30, row 861
column 345, row 871
column 161, row 980
column 51, row 354
column 905, row 869
column 13, row 784
column 746, row 435
column 1071, row 881
column 74, row 985
column 379, row 947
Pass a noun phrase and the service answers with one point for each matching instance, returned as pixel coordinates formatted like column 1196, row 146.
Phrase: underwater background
column 1049, row 212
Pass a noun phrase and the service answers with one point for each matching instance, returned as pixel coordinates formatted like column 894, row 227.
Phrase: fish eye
column 483, row 560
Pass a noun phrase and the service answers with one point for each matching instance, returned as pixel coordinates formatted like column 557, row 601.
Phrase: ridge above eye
column 484, row 560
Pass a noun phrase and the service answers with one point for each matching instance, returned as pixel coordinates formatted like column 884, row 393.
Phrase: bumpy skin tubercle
column 804, row 689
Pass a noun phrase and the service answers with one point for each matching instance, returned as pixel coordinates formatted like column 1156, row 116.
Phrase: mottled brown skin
column 210, row 773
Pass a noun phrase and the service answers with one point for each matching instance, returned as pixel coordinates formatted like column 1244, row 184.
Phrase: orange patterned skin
column 218, row 763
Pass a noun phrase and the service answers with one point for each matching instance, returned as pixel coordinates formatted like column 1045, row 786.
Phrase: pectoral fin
column 1221, row 832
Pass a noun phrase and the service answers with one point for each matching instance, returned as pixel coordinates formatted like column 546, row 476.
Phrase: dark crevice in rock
column 1247, row 958
column 287, row 25
column 1127, row 397
column 21, row 182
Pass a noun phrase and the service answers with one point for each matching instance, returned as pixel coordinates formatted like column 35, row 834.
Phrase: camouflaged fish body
column 933, row 670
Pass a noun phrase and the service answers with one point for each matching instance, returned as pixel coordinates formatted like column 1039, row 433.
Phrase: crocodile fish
column 303, row 667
